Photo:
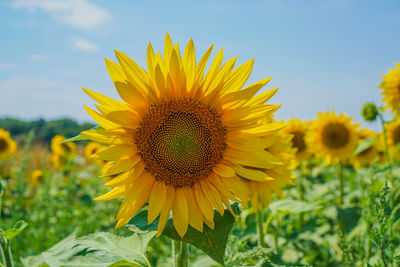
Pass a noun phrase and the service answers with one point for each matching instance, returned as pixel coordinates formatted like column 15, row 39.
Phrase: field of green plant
column 192, row 168
column 53, row 220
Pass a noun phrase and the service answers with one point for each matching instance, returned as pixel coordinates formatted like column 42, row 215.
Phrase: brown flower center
column 298, row 141
column 335, row 135
column 66, row 148
column 3, row 144
column 180, row 141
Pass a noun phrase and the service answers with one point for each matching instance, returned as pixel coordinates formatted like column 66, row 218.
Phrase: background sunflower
column 332, row 137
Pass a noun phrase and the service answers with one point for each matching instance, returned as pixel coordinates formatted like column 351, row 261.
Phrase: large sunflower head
column 367, row 156
column 7, row 145
column 181, row 135
column 278, row 176
column 393, row 135
column 333, row 137
column 298, row 129
column 391, row 89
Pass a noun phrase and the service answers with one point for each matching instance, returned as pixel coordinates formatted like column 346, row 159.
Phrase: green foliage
column 14, row 231
column 211, row 241
column 100, row 249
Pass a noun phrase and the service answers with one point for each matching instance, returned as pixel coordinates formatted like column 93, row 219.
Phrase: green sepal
column 81, row 137
column 364, row 145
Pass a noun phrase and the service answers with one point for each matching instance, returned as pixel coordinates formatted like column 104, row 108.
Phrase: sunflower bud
column 369, row 111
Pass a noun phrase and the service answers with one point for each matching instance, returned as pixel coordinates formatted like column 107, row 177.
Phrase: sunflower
column 61, row 152
column 37, row 176
column 393, row 135
column 367, row 156
column 90, row 149
column 298, row 129
column 332, row 137
column 279, row 176
column 391, row 90
column 7, row 145
column 180, row 136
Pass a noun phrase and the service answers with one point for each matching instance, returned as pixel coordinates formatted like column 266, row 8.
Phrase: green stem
column 389, row 160
column 176, row 247
column 300, row 188
column 6, row 251
column 181, row 254
column 340, row 182
column 276, row 235
column 260, row 229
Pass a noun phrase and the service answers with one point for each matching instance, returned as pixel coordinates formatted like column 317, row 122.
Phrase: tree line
column 43, row 130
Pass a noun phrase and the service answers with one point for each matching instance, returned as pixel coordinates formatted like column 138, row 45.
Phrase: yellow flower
column 332, row 137
column 180, row 136
column 393, row 135
column 279, row 176
column 37, row 176
column 90, row 149
column 67, row 149
column 367, row 156
column 7, row 145
column 391, row 90
column 298, row 129
column 61, row 152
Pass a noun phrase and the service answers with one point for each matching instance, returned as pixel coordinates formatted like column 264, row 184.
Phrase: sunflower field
column 191, row 167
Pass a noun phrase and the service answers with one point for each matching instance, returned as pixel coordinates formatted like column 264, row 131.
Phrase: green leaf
column 291, row 206
column 364, row 145
column 347, row 215
column 81, row 137
column 211, row 241
column 16, row 230
column 100, row 250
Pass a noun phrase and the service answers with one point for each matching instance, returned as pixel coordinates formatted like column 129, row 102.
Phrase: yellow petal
column 105, row 100
column 123, row 165
column 224, row 170
column 140, row 197
column 116, row 152
column 170, row 200
column 105, row 123
column 124, row 118
column 157, row 200
column 213, row 70
column 107, row 137
column 180, row 212
column 116, row 192
column 204, row 205
column 238, row 77
column 127, row 177
column 195, row 216
column 255, row 175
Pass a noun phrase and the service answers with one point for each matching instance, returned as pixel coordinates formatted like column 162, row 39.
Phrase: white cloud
column 40, row 57
column 8, row 66
column 80, row 14
column 84, row 45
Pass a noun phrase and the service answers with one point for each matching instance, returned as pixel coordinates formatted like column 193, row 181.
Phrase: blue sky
column 322, row 54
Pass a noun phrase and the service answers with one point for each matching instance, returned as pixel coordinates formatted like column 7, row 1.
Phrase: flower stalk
column 260, row 231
